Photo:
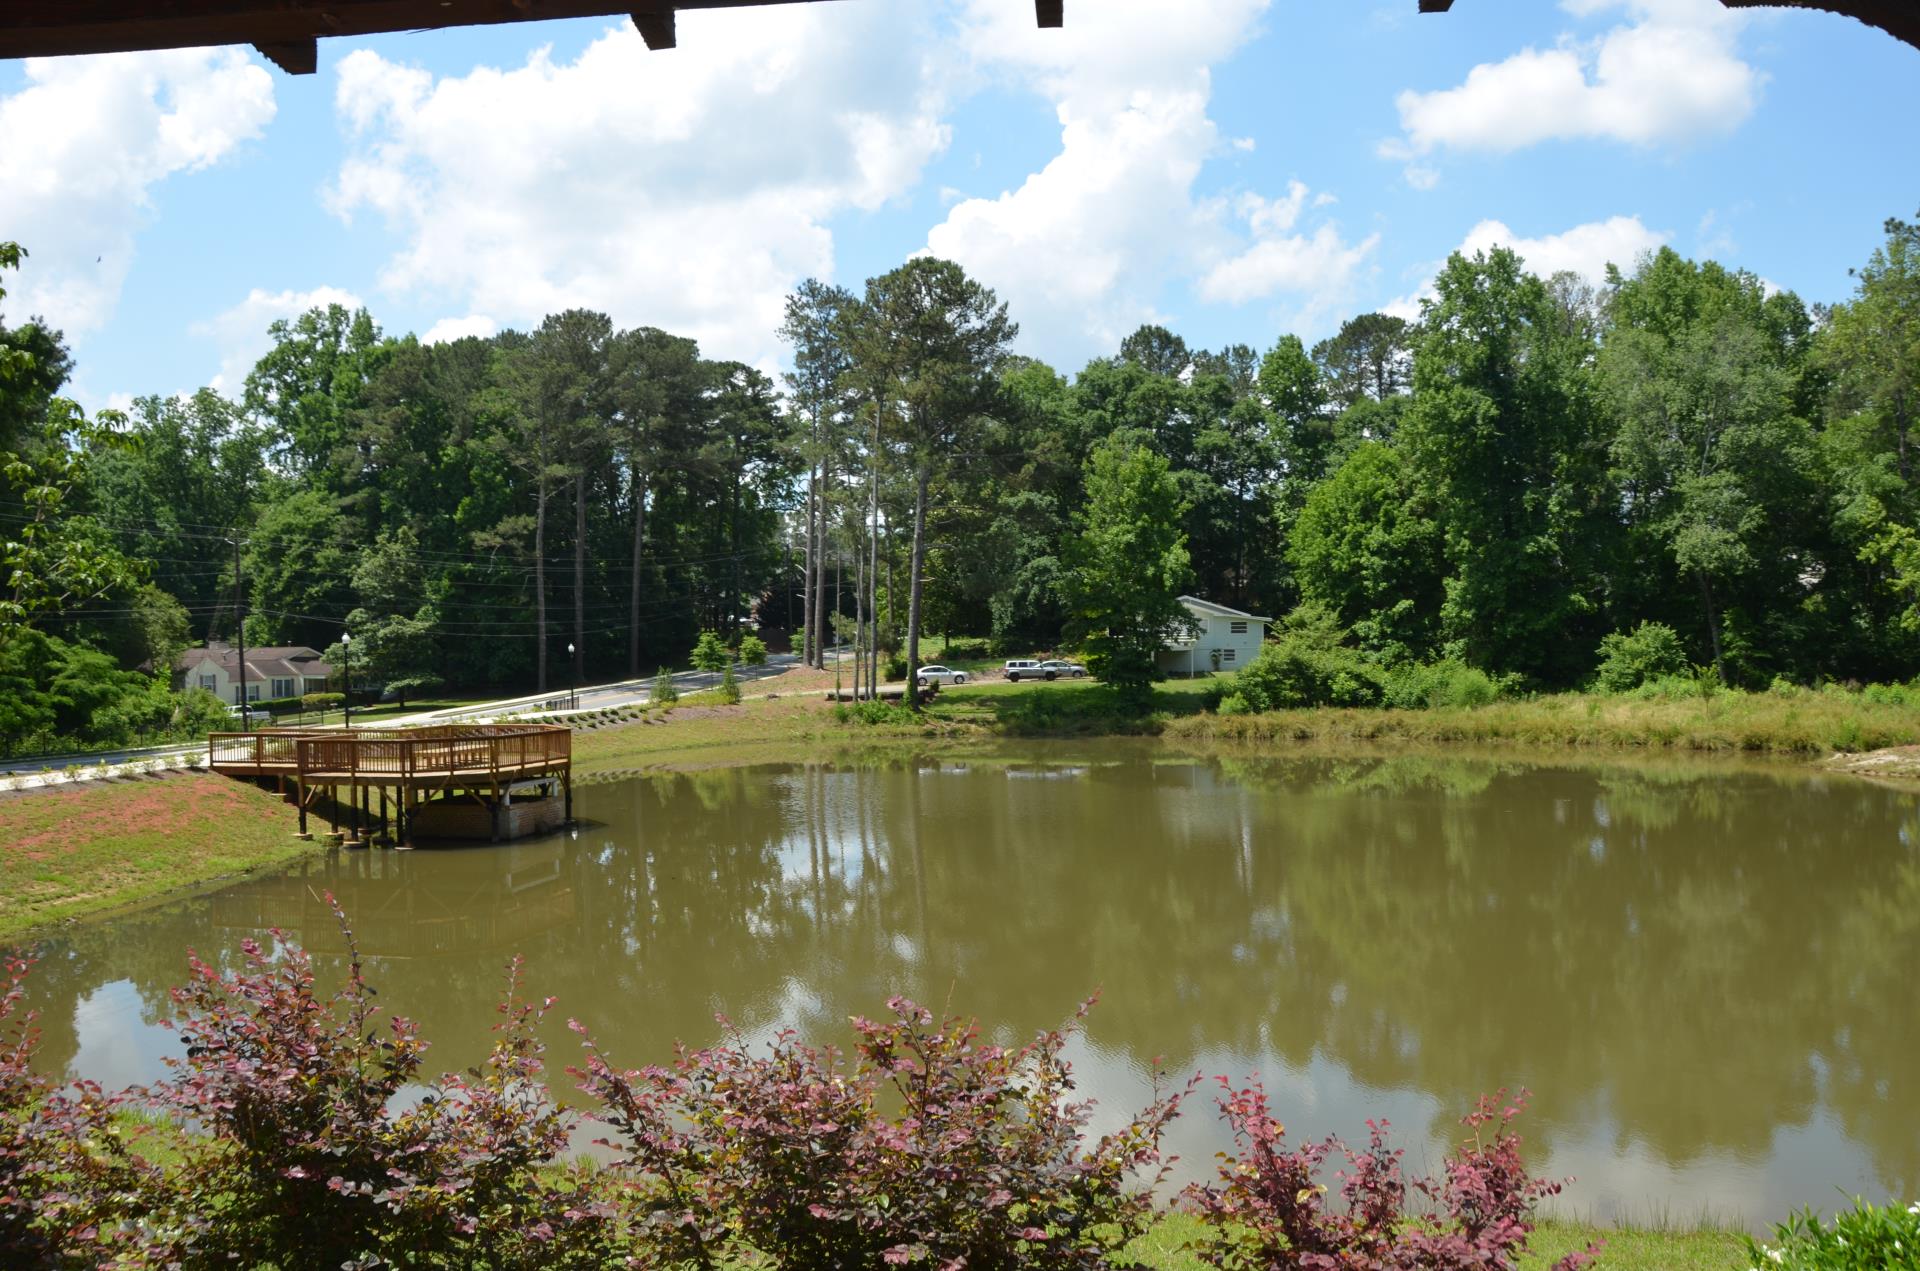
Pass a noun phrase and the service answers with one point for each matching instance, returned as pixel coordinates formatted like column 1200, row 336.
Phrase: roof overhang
column 288, row 31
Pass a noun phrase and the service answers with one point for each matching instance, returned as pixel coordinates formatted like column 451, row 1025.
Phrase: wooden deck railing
column 396, row 754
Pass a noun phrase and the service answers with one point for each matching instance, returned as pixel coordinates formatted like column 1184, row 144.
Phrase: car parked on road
column 939, row 675
column 1066, row 670
column 1018, row 669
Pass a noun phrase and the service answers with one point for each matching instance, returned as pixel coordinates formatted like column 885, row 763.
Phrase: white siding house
column 285, row 671
column 1222, row 639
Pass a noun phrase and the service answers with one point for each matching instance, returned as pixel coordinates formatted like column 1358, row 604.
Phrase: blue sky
column 1235, row 169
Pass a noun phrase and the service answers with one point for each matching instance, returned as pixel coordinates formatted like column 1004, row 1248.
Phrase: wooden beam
column 295, row 57
column 657, row 29
column 1435, row 6
column 1050, row 12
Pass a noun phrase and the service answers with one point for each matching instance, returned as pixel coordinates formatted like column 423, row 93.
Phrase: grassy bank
column 1702, row 1248
column 1792, row 724
column 84, row 849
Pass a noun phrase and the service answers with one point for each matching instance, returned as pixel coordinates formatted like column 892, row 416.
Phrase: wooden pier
column 454, row 781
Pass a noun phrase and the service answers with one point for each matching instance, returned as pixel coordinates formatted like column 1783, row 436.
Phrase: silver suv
column 1028, row 669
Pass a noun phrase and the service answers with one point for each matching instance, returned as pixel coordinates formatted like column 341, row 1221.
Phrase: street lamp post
column 573, row 674
column 346, row 676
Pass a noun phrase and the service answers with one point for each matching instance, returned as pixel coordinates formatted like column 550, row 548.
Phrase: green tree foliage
column 729, row 690
column 1699, row 368
column 753, row 651
column 160, row 629
column 1370, row 359
column 944, row 339
column 710, row 653
column 1504, row 434
column 664, row 691
column 1366, row 546
column 1129, row 565
column 1534, row 463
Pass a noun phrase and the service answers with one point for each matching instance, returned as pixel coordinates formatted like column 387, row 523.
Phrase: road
column 595, row 697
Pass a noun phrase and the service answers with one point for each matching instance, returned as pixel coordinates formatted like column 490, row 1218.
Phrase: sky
column 1235, row 170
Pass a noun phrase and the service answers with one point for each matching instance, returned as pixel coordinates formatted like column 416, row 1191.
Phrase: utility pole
column 240, row 631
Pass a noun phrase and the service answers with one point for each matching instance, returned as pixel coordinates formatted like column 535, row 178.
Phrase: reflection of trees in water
column 1698, row 960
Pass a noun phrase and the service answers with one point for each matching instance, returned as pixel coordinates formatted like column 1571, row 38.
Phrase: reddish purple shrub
column 1269, row 1210
column 304, row 1152
column 67, row 1175
column 928, row 1148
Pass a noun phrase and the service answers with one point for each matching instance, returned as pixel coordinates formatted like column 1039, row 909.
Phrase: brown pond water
column 1707, row 976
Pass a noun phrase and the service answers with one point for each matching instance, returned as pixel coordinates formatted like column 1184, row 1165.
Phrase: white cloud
column 688, row 190
column 1586, row 250
column 448, row 330
column 1084, row 247
column 87, row 140
column 1671, row 73
column 241, row 332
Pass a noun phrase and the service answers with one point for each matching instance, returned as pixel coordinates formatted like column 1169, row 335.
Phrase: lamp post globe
column 573, row 689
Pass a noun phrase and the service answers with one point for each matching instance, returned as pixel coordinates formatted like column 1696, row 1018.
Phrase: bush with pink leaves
column 1269, row 1210
column 928, row 1148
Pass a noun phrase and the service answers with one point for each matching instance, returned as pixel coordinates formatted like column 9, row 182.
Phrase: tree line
column 1532, row 464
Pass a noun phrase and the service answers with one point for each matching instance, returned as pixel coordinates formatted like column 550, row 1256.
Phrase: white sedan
column 939, row 675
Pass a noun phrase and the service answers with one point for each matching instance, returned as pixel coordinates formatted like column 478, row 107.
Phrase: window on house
column 210, row 681
column 1238, row 628
column 283, row 688
column 1226, row 655
column 253, row 690
column 314, row 685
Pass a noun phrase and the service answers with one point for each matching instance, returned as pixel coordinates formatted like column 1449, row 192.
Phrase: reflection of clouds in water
column 1621, row 1178
column 1312, row 1100
column 118, row 1046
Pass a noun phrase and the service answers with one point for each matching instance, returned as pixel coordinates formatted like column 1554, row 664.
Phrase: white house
column 1221, row 639
column 274, row 672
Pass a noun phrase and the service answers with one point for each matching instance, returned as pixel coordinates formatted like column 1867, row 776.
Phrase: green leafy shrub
column 664, row 691
column 729, row 690
column 710, row 652
column 1309, row 664
column 1891, row 694
column 1864, row 1238
column 896, row 667
column 199, row 711
column 1432, row 685
column 874, row 713
column 1650, row 652
column 753, row 650
column 322, row 701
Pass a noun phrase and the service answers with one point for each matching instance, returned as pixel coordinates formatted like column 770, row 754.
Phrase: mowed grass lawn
column 64, row 853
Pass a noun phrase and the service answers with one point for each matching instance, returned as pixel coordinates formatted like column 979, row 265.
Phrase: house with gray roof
column 272, row 672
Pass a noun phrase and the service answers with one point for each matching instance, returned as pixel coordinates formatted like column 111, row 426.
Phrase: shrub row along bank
column 924, row 1147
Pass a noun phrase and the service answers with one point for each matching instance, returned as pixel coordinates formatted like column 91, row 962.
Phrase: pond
column 1705, row 975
